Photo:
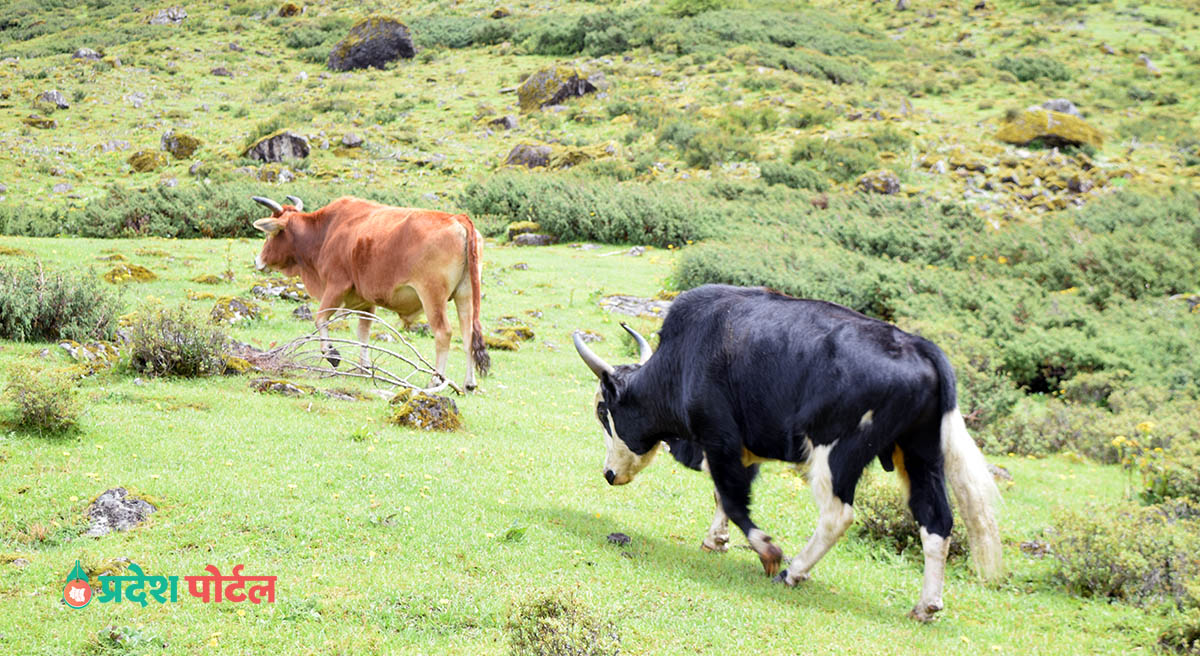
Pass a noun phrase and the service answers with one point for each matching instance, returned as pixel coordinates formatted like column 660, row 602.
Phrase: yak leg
column 364, row 336
column 466, row 308
column 718, row 531
column 732, row 480
column 931, row 509
column 835, row 517
column 434, row 301
column 331, row 302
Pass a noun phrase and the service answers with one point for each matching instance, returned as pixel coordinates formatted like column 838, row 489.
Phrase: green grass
column 392, row 544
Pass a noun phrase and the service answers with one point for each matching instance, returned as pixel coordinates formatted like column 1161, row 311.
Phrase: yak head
column 279, row 251
column 629, row 438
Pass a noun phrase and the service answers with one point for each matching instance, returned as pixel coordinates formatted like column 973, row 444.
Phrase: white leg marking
column 718, row 532
column 866, row 420
column 835, row 517
column 936, row 548
column 364, row 335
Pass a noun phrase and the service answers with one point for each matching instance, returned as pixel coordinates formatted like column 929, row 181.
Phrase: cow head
column 629, row 439
column 278, row 252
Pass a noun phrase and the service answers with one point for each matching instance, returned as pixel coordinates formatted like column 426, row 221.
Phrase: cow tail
column 967, row 472
column 483, row 362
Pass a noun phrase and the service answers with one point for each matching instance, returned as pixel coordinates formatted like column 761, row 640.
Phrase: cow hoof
column 333, row 357
column 772, row 559
column 715, row 545
column 470, row 387
column 790, row 579
column 924, row 613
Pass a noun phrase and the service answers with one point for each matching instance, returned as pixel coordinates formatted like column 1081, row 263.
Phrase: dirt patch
column 115, row 510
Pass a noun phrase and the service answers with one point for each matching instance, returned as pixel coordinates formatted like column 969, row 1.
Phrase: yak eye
column 602, row 415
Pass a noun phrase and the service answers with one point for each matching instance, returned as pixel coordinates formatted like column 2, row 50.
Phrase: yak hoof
column 715, row 545
column 771, row 559
column 924, row 612
column 333, row 357
column 789, row 580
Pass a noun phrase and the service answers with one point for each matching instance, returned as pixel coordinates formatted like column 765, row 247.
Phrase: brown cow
column 357, row 254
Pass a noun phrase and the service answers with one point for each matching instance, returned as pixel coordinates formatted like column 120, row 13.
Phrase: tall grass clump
column 175, row 342
column 41, row 305
column 559, row 624
column 44, row 401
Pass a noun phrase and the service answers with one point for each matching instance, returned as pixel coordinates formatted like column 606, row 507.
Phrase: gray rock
column 171, row 16
column 169, row 182
column 1061, row 105
column 303, row 312
column 276, row 148
column 236, row 48
column 195, row 167
column 301, row 77
column 86, row 53
column 114, row 145
column 508, row 122
column 54, row 97
column 62, row 187
column 137, row 99
column 352, row 140
column 528, row 155
column 114, row 510
column 533, row 239
column 221, row 71
column 3, row 188
column 635, row 306
column 372, row 43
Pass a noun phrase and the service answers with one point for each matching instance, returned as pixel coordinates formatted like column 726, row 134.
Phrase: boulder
column 570, row 156
column 115, row 510
column 1054, row 129
column 123, row 273
column 553, row 85
column 40, row 122
column 425, row 411
column 170, row 16
column 352, row 140
column 533, row 239
column 520, row 228
column 181, row 146
column 290, row 9
column 372, row 43
column 277, row 147
column 86, row 53
column 144, row 161
column 221, row 71
column 883, row 181
column 528, row 155
column 507, row 122
column 52, row 99
column 1062, row 106
column 230, row 310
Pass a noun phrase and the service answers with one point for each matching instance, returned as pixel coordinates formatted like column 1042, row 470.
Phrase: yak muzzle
column 610, row 476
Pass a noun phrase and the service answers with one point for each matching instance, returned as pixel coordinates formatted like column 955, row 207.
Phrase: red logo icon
column 77, row 592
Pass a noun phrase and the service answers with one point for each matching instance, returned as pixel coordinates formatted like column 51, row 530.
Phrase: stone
column 529, row 155
column 373, row 42
column 425, row 411
column 62, row 187
column 233, row 46
column 40, row 122
column 635, row 306
column 123, row 273
column 507, row 122
column 565, row 158
column 1144, row 62
column 230, row 310
column 883, row 181
column 999, row 474
column 1054, row 129
column 53, row 98
column 113, row 145
column 170, row 16
column 352, row 140
column 277, row 147
column 181, row 146
column 533, row 239
column 144, row 161
column 1062, row 106
column 304, row 313
column 500, row 12
column 519, row 228
column 86, row 53
column 291, row 289
column 280, row 386
column 619, row 539
column 115, row 510
column 290, row 9
column 553, row 85
column 221, row 71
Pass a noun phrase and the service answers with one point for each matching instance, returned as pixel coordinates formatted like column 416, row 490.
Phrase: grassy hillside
column 851, row 153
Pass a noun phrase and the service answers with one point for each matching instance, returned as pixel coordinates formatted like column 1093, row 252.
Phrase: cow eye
column 602, row 415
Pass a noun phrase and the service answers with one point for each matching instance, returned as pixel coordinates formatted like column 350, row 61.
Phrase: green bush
column 558, row 624
column 796, row 177
column 175, row 342
column 1182, row 634
column 577, row 209
column 685, row 8
column 1034, row 68
column 1139, row 555
column 882, row 515
column 36, row 304
column 458, row 31
column 843, row 160
column 45, row 400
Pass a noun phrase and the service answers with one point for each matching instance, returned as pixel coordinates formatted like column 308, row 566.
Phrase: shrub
column 558, row 624
column 685, row 8
column 796, row 177
column 45, row 400
column 36, row 304
column 175, row 342
column 843, row 160
column 1182, row 634
column 882, row 515
column 1139, row 555
column 1034, row 68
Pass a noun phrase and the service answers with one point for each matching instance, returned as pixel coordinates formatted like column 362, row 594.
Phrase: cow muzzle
column 259, row 264
column 614, row 478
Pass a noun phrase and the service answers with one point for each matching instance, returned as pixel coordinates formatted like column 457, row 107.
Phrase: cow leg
column 930, row 507
column 331, row 301
column 465, row 308
column 364, row 336
column 834, row 518
column 434, row 302
column 718, row 531
column 732, row 480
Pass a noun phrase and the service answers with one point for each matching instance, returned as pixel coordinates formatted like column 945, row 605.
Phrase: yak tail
column 479, row 353
column 967, row 472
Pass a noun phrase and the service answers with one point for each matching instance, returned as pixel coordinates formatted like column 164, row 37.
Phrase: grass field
column 396, row 543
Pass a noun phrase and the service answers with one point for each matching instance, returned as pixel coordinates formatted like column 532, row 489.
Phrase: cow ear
column 611, row 386
column 269, row 226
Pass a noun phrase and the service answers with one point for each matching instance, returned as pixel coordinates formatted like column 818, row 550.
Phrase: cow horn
column 267, row 202
column 297, row 202
column 644, row 350
column 592, row 360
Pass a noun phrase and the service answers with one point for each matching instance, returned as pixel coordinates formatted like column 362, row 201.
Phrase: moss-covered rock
column 519, row 228
column 234, row 365
column 144, row 161
column 373, row 42
column 495, row 343
column 425, row 411
column 123, row 273
column 232, row 310
column 40, row 122
column 573, row 155
column 1050, row 127
column 208, row 279
column 883, row 181
column 530, row 155
column 553, row 85
column 290, row 9
column 181, row 146
column 278, row 146
column 514, row 333
column 281, row 386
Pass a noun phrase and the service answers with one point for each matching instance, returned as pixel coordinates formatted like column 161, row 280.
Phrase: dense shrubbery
column 1034, row 68
column 36, row 304
column 796, row 177
column 882, row 515
column 174, row 342
column 577, row 209
column 44, row 400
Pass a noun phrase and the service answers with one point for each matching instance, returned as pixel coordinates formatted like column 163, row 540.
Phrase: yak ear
column 269, row 225
column 611, row 385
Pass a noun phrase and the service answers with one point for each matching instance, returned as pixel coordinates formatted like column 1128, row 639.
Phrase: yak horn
column 644, row 350
column 267, row 202
column 297, row 202
column 592, row 360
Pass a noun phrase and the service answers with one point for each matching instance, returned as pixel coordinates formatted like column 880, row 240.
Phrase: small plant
column 361, row 434
column 174, row 342
column 45, row 400
column 557, row 624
